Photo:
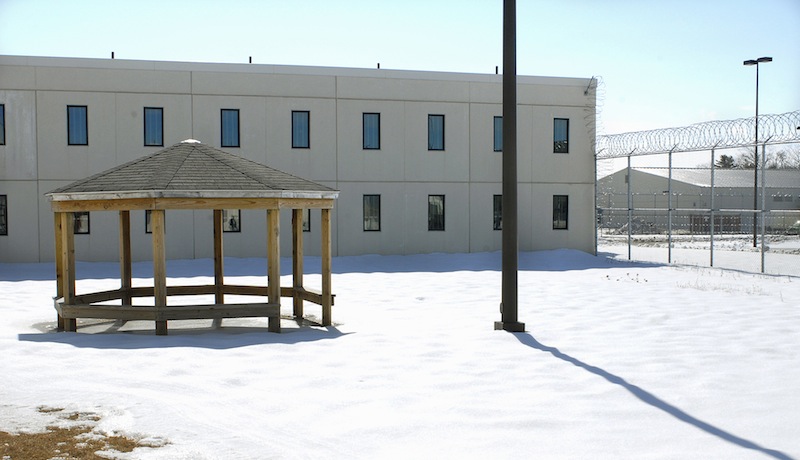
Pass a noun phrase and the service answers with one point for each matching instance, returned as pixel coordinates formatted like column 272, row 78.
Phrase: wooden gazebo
column 190, row 175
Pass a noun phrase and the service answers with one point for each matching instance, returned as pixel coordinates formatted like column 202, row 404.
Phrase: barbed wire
column 772, row 129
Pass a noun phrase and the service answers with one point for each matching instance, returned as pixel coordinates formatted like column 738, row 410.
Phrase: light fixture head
column 764, row 59
column 750, row 62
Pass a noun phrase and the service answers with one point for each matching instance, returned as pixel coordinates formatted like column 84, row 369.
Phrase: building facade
column 416, row 155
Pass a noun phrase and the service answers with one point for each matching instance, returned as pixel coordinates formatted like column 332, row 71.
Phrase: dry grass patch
column 73, row 437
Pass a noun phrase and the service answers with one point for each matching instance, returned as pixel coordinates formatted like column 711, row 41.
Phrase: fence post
column 630, row 206
column 713, row 170
column 669, row 209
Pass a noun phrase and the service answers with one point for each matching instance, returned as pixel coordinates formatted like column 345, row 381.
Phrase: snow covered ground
column 621, row 360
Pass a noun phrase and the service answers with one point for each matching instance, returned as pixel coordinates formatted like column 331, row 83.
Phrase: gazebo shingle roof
column 189, row 168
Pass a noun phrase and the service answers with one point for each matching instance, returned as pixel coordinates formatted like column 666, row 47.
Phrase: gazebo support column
column 67, row 256
column 297, row 261
column 219, row 282
column 327, row 298
column 159, row 266
column 59, row 264
column 274, row 265
column 125, row 269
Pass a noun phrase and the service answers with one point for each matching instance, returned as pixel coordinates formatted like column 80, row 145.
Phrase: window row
column 232, row 218
column 78, row 130
column 436, row 212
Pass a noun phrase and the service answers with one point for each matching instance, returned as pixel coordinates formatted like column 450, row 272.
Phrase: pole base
column 509, row 327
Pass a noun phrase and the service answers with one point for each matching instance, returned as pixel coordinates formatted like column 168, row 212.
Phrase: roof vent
column 191, row 141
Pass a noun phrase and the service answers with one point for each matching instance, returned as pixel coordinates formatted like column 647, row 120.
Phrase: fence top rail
column 719, row 134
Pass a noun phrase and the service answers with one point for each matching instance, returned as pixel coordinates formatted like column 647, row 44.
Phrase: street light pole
column 755, row 62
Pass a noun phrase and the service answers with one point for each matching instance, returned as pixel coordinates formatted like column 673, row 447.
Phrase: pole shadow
column 650, row 399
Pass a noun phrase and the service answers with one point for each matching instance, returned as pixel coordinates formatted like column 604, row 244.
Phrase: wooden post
column 274, row 264
column 297, row 261
column 125, row 269
column 59, row 259
column 159, row 266
column 327, row 299
column 68, row 265
column 219, row 293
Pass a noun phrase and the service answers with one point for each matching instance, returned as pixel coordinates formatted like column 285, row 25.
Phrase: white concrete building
column 414, row 154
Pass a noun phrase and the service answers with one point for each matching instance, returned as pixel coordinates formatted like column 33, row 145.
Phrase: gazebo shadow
column 108, row 335
column 650, row 399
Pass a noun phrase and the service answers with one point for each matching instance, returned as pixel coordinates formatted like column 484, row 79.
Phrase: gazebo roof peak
column 192, row 169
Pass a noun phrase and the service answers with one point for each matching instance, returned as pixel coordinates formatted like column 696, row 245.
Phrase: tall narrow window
column 372, row 213
column 154, row 126
column 497, row 213
column 81, row 223
column 301, row 130
column 561, row 135
column 2, row 124
column 77, row 125
column 435, row 132
column 436, row 213
column 306, row 220
column 230, row 127
column 147, row 225
column 3, row 215
column 560, row 212
column 498, row 134
column 231, row 220
column 371, row 131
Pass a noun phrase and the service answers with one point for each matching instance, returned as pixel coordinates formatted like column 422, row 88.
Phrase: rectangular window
column 230, row 127
column 147, row 227
column 560, row 135
column 231, row 220
column 560, row 212
column 2, row 124
column 3, row 215
column 77, row 125
column 436, row 213
column 81, row 223
column 372, row 213
column 497, row 213
column 435, row 132
column 498, row 134
column 306, row 220
column 371, row 131
column 154, row 126
column 301, row 129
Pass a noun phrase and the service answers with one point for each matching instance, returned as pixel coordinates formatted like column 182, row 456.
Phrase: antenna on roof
column 112, row 55
column 251, row 59
column 379, row 65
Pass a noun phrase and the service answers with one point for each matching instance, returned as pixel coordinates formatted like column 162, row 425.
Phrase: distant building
column 691, row 197
column 416, row 155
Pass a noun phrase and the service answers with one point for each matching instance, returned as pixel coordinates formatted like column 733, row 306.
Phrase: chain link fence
column 687, row 209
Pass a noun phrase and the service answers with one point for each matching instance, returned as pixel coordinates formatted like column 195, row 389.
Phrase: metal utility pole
column 756, row 62
column 508, row 307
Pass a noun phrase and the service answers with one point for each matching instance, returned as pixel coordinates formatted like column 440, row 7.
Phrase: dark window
column 147, row 227
column 560, row 135
column 497, row 213
column 498, row 134
column 371, row 131
column 301, row 129
column 231, row 220
column 230, row 127
column 306, row 220
column 81, row 223
column 560, row 212
column 372, row 213
column 154, row 126
column 435, row 132
column 436, row 213
column 2, row 124
column 3, row 215
column 77, row 125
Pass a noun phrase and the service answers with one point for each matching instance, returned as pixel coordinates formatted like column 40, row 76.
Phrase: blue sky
column 664, row 63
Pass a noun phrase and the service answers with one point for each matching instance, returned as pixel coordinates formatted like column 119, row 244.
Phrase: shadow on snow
column 649, row 398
